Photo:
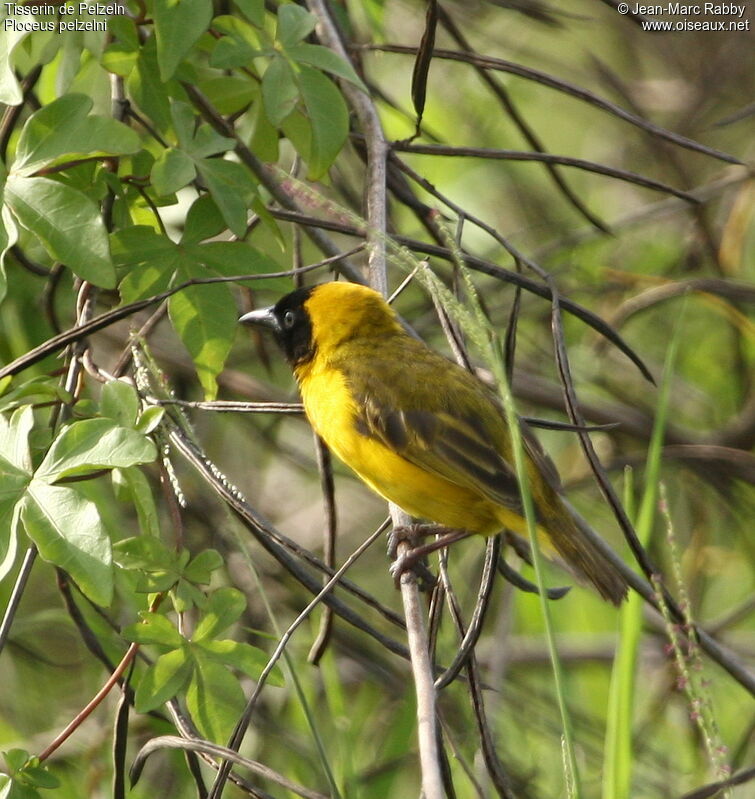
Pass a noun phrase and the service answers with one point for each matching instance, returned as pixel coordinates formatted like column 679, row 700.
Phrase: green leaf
column 298, row 131
column 40, row 777
column 205, row 319
column 232, row 258
column 94, row 444
column 150, row 257
column 38, row 389
column 230, row 185
column 279, row 91
column 8, row 237
column 124, row 29
column 10, row 511
column 244, row 657
column 10, row 90
column 68, row 532
column 186, row 596
column 119, row 402
column 200, row 569
column 120, row 58
column 214, row 698
column 203, row 221
column 224, row 607
column 66, row 222
column 264, row 143
column 14, row 439
column 208, row 142
column 253, row 10
column 163, row 680
column 154, row 629
column 231, row 52
column 14, row 479
column 148, row 91
column 63, row 131
column 328, row 116
column 317, row 56
column 143, row 552
column 183, row 119
column 141, row 496
column 16, row 759
column 140, row 244
column 228, row 94
column 149, row 419
column 178, row 25
column 294, row 24
column 172, row 171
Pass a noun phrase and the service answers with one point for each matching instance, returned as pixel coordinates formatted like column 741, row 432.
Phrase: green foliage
column 65, row 525
column 198, row 666
column 191, row 151
column 41, row 205
column 24, row 776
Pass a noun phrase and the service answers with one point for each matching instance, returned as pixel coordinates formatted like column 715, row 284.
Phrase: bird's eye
column 289, row 318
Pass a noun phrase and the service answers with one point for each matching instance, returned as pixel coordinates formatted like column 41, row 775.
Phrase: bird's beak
column 262, row 317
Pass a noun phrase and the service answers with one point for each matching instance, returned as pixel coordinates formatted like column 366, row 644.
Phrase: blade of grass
column 618, row 760
column 617, row 765
column 692, row 679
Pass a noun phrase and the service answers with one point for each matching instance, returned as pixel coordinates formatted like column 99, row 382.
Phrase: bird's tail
column 584, row 556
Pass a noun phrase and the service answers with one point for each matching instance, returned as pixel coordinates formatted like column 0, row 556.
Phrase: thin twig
column 18, row 591
column 95, row 701
column 489, row 62
column 216, row 751
column 494, row 154
column 243, row 723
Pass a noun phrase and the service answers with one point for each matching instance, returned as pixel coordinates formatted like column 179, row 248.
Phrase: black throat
column 294, row 332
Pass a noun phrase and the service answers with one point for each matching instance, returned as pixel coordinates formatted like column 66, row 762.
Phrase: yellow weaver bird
column 416, row 427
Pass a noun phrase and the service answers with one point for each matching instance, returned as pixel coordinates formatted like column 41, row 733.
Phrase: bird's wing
column 449, row 426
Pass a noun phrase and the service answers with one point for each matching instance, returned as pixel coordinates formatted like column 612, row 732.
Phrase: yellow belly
column 331, row 411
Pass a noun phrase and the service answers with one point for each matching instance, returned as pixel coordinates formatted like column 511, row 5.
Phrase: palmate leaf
column 120, row 402
column 13, row 484
column 205, row 319
column 163, row 680
column 279, row 91
column 204, row 316
column 328, row 116
column 214, row 697
column 231, row 187
column 294, row 23
column 224, row 607
column 10, row 90
column 94, row 444
column 147, row 89
column 178, row 25
column 66, row 222
column 246, row 658
column 317, row 56
column 68, row 531
column 63, row 130
column 172, row 171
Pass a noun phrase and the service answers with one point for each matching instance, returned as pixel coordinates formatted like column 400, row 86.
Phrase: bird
column 417, row 428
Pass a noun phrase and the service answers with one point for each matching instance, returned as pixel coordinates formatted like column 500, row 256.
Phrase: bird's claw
column 411, row 561
column 405, row 533
column 413, row 558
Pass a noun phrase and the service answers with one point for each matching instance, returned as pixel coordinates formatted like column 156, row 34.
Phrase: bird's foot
column 411, row 534
column 413, row 557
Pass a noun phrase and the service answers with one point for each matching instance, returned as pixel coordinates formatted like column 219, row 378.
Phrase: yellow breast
column 331, row 410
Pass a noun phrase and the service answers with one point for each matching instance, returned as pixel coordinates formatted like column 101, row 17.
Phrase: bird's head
column 320, row 319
